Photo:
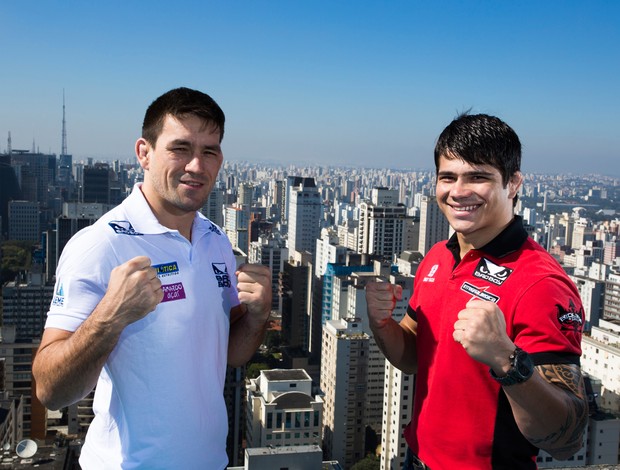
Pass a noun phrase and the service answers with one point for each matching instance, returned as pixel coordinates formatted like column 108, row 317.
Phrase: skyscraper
column 304, row 214
column 434, row 226
column 344, row 380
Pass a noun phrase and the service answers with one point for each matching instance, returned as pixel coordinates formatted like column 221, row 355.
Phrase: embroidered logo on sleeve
column 479, row 292
column 221, row 274
column 489, row 271
column 59, row 296
column 123, row 227
column 570, row 317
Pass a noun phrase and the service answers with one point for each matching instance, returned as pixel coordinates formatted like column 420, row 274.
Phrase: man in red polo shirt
column 494, row 325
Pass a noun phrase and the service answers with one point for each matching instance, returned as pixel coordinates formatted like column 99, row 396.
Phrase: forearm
column 551, row 409
column 67, row 367
column 397, row 344
column 247, row 333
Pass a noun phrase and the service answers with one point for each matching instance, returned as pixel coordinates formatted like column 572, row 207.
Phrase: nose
column 459, row 188
column 195, row 164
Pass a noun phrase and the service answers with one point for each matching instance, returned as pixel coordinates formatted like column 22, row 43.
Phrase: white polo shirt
column 159, row 401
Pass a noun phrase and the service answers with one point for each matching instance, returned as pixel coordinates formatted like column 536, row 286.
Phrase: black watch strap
column 521, row 369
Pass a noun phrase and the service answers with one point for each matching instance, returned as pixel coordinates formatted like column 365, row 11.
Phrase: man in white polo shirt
column 150, row 307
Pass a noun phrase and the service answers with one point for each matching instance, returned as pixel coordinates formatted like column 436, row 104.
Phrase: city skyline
column 366, row 84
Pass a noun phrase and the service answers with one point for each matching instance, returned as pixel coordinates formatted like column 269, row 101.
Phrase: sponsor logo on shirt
column 221, row 274
column 173, row 292
column 569, row 317
column 479, row 292
column 59, row 296
column 489, row 271
column 429, row 277
column 213, row 228
column 123, row 227
column 167, row 269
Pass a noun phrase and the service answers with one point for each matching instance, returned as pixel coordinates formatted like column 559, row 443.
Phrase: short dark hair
column 178, row 103
column 480, row 139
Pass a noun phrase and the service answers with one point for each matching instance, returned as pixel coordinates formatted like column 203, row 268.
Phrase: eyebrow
column 467, row 173
column 216, row 147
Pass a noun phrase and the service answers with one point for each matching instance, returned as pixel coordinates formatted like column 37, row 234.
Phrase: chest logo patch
column 569, row 317
column 123, row 227
column 479, row 292
column 173, row 292
column 430, row 276
column 489, row 271
column 167, row 269
column 221, row 274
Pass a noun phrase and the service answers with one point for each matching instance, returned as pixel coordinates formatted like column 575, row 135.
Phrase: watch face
column 523, row 364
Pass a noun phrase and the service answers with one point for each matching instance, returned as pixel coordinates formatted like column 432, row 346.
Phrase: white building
column 344, row 380
column 601, row 359
column 281, row 410
column 434, row 226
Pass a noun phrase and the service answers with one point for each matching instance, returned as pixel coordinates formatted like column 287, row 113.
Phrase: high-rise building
column 96, row 186
column 383, row 224
column 344, row 381
column 236, row 222
column 270, row 251
column 611, row 302
column 304, row 214
column 24, row 221
column 25, row 306
column 282, row 411
column 18, row 356
column 9, row 191
column 434, row 226
column 214, row 207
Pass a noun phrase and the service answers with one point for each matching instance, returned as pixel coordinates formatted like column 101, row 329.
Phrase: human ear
column 515, row 182
column 142, row 152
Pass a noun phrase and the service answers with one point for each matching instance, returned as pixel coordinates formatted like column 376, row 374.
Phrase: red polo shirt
column 462, row 418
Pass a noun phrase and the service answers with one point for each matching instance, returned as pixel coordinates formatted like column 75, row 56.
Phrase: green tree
column 370, row 462
column 16, row 257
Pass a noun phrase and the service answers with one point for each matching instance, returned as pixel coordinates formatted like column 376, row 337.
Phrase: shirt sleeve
column 548, row 321
column 82, row 278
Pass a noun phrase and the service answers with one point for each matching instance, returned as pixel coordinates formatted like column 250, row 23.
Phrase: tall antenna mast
column 9, row 148
column 63, row 150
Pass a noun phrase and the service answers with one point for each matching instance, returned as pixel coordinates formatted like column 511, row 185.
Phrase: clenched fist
column 381, row 298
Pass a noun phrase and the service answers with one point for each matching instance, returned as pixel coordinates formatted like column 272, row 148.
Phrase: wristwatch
column 521, row 369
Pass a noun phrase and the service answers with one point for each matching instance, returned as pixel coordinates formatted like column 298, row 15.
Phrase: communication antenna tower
column 63, row 150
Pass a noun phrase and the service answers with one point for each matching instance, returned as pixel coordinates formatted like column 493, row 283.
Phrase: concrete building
column 282, row 411
column 24, row 221
column 18, row 356
column 290, row 458
column 434, row 226
column 611, row 302
column 383, row 224
column 344, row 381
column 304, row 214
column 214, row 207
column 26, row 305
column 270, row 251
column 601, row 359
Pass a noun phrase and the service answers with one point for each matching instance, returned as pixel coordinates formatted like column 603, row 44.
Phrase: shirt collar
column 508, row 241
column 144, row 221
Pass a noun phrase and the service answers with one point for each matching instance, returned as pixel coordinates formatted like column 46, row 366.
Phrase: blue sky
column 361, row 83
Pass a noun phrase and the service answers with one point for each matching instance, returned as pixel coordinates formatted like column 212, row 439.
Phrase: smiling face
column 180, row 169
column 474, row 200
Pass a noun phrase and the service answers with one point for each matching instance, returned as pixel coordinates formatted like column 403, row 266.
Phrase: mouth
column 465, row 208
column 192, row 184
